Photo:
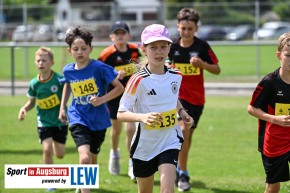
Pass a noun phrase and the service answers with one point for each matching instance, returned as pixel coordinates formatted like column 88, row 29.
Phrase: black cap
column 120, row 25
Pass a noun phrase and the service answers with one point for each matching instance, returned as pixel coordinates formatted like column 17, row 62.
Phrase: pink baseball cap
column 153, row 33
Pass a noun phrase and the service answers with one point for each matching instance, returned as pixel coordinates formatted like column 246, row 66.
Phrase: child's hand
column 196, row 62
column 121, row 74
column 62, row 116
column 152, row 119
column 282, row 120
column 21, row 114
column 96, row 101
column 187, row 120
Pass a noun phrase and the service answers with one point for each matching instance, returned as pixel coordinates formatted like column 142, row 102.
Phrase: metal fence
column 99, row 16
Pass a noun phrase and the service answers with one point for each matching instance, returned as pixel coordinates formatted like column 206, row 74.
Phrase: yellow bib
column 84, row 88
column 169, row 120
column 48, row 102
column 187, row 69
column 282, row 109
column 128, row 68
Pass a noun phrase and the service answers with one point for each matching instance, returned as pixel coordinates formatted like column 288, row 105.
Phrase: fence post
column 257, row 17
column 12, row 71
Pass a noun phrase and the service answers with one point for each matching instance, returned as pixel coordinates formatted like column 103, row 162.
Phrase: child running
column 191, row 56
column 122, row 56
column 88, row 80
column 271, row 105
column 151, row 100
column 45, row 92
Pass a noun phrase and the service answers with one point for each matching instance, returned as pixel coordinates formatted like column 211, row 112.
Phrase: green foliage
column 19, row 2
column 283, row 10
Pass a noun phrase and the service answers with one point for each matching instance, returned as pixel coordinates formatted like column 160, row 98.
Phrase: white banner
column 51, row 176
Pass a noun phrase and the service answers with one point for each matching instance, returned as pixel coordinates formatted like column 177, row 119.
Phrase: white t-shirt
column 146, row 92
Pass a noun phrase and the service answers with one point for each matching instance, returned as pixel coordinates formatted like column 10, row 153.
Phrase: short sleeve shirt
column 85, row 83
column 272, row 95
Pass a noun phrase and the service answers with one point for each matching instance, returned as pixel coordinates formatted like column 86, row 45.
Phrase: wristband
column 180, row 110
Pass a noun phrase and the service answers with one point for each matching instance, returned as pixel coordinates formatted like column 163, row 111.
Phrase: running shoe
column 183, row 183
column 114, row 162
column 130, row 171
column 50, row 189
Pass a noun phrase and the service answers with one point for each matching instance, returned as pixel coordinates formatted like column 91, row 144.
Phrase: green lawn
column 238, row 63
column 223, row 157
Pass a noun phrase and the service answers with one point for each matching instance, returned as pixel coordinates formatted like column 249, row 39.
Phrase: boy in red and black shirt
column 191, row 55
column 271, row 105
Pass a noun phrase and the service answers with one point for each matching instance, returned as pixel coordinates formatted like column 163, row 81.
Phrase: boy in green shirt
column 45, row 92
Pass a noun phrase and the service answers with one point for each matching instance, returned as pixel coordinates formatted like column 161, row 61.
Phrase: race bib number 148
column 84, row 88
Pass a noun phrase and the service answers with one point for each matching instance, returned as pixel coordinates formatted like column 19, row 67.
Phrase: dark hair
column 78, row 32
column 188, row 14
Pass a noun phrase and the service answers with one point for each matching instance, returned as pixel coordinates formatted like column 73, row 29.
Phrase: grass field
column 238, row 63
column 223, row 157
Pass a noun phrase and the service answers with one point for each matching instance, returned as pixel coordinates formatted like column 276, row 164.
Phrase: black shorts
column 113, row 106
column 145, row 169
column 83, row 135
column 277, row 168
column 194, row 111
column 58, row 134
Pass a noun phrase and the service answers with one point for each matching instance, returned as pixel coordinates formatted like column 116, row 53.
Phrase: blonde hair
column 46, row 50
column 283, row 40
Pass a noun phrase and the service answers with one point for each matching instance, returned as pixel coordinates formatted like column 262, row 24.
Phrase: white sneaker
column 114, row 162
column 130, row 170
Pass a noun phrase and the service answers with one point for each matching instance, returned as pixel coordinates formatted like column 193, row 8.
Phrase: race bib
column 282, row 109
column 128, row 68
column 169, row 120
column 48, row 102
column 84, row 88
column 187, row 69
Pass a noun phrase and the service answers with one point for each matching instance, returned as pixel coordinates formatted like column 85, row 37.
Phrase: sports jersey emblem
column 54, row 88
column 280, row 93
column 119, row 58
column 193, row 54
column 152, row 92
column 174, row 87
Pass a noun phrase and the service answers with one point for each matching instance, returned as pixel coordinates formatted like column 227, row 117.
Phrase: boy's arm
column 116, row 91
column 212, row 68
column 151, row 119
column 65, row 96
column 27, row 107
column 281, row 120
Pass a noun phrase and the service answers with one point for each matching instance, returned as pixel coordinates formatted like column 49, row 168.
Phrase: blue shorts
column 276, row 168
column 84, row 136
column 148, row 168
